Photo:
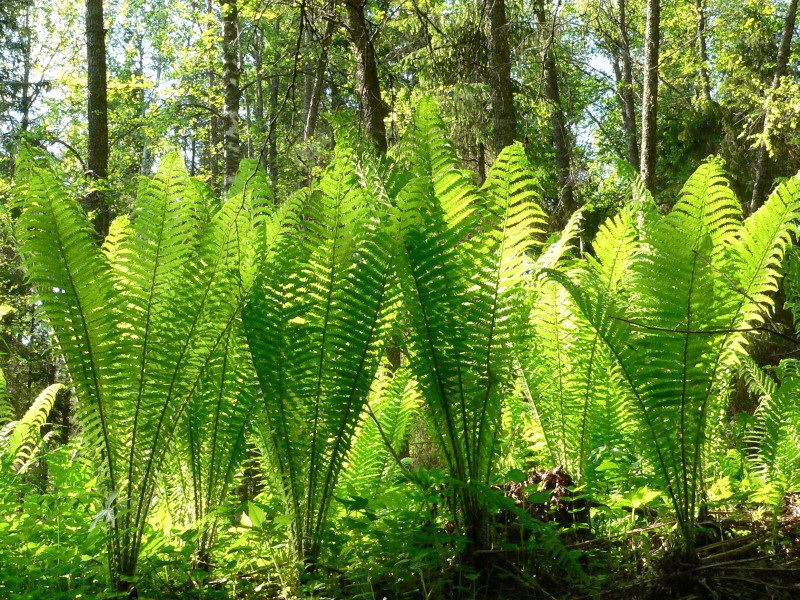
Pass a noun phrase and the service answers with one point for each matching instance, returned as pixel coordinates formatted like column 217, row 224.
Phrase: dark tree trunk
column 625, row 85
column 503, row 112
column 762, row 162
column 97, row 156
column 566, row 195
column 310, row 124
column 373, row 108
column 481, row 159
column 700, row 6
column 650, row 95
column 230, row 68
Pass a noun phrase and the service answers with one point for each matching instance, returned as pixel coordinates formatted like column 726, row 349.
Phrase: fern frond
column 394, row 403
column 314, row 324
column 774, row 440
column 20, row 440
column 465, row 304
column 708, row 204
column 615, row 246
column 759, row 382
column 64, row 263
column 427, row 153
column 759, row 252
column 139, row 322
column 557, row 250
column 661, row 332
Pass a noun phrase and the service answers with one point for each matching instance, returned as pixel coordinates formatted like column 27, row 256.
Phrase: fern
column 774, row 440
column 394, row 404
column 137, row 322
column 672, row 330
column 20, row 440
column 568, row 376
column 314, row 325
column 461, row 275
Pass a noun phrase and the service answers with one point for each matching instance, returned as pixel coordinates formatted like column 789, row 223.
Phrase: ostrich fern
column 138, row 322
column 461, row 272
column 315, row 325
column 568, row 374
column 21, row 440
column 698, row 278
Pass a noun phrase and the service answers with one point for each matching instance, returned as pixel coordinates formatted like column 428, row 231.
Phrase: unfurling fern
column 21, row 440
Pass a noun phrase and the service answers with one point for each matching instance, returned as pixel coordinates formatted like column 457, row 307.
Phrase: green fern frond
column 758, row 381
column 315, row 323
column 394, row 402
column 138, row 323
column 557, row 250
column 20, row 440
column 570, row 382
column 615, row 246
column 759, row 252
column 465, row 304
column 774, row 440
column 708, row 204
column 643, row 207
column 662, row 330
column 427, row 153
column 73, row 283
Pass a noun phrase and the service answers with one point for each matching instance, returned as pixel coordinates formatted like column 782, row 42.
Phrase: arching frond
column 466, row 310
column 774, row 440
column 670, row 332
column 394, row 403
column 20, row 440
column 315, row 324
column 138, row 322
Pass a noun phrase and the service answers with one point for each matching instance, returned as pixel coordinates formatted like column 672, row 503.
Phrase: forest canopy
column 415, row 299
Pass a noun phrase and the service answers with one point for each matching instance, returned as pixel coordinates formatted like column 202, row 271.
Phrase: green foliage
column 774, row 438
column 611, row 364
column 461, row 274
column 390, row 412
column 137, row 322
column 697, row 280
column 21, row 440
column 47, row 549
column 315, row 324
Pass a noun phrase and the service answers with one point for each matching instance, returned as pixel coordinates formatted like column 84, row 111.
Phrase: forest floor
column 739, row 556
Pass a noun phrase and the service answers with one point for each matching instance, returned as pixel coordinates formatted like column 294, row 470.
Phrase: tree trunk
column 272, row 150
column 762, row 162
column 25, row 102
column 97, row 158
column 310, row 124
column 700, row 6
column 650, row 95
column 626, row 95
column 308, row 69
column 373, row 108
column 503, row 112
column 213, row 133
column 566, row 195
column 230, row 69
